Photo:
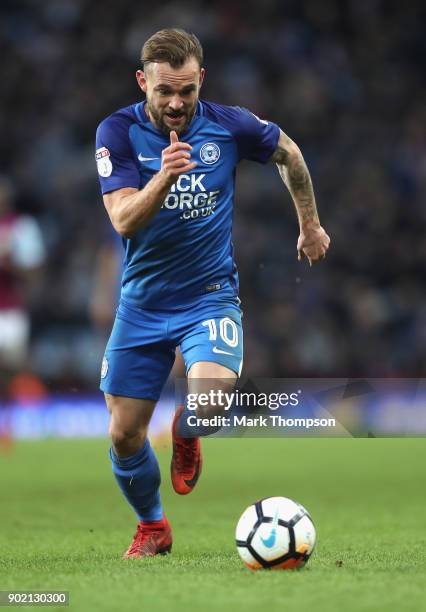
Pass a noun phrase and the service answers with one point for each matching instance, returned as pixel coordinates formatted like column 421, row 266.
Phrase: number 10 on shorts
column 228, row 330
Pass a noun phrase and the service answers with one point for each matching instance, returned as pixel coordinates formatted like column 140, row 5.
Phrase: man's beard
column 160, row 124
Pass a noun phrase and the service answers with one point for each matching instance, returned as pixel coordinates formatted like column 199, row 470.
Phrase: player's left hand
column 313, row 244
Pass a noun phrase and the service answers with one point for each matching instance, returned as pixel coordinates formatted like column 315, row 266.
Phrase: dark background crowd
column 345, row 79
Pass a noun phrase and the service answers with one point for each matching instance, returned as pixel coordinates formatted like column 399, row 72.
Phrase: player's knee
column 126, row 439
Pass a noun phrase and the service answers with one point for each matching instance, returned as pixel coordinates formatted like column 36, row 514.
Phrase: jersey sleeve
column 114, row 156
column 256, row 138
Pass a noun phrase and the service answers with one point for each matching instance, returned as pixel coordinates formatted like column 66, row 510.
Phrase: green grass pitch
column 64, row 525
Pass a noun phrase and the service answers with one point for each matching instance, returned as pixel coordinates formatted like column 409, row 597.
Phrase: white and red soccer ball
column 275, row 533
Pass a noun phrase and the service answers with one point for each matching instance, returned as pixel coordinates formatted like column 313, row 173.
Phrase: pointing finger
column 178, row 146
column 173, row 137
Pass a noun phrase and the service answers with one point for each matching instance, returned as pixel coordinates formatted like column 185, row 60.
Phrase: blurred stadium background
column 345, row 79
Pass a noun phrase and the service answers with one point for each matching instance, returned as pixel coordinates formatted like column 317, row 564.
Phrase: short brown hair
column 173, row 46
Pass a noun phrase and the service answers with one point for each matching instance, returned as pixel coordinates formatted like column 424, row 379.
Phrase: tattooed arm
column 313, row 242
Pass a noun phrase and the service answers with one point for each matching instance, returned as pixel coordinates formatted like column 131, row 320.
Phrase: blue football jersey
column 186, row 250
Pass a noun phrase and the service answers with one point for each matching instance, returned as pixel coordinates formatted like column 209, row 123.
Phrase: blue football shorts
column 141, row 349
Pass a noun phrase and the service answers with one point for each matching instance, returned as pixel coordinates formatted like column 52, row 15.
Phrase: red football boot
column 152, row 538
column 187, row 460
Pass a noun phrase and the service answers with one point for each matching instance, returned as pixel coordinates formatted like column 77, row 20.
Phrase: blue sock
column 138, row 476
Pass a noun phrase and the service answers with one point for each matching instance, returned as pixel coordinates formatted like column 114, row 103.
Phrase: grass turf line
column 64, row 525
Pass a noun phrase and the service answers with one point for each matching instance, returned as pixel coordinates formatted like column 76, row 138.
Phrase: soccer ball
column 275, row 533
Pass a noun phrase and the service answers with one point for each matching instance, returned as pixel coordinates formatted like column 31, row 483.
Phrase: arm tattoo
column 280, row 156
column 295, row 174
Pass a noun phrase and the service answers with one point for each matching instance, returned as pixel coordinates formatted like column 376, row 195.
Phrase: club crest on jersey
column 103, row 162
column 209, row 153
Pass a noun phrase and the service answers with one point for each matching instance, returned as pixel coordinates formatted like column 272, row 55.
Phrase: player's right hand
column 175, row 159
